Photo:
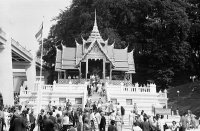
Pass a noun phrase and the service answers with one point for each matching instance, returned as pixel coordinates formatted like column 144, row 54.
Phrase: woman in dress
column 80, row 121
column 112, row 116
column 86, row 126
column 118, row 120
column 65, row 121
column 154, row 124
column 131, row 119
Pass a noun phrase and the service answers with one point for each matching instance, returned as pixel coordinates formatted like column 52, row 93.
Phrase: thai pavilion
column 94, row 57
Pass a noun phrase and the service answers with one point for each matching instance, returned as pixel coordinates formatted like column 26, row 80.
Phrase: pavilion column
column 65, row 74
column 58, row 75
column 80, row 72
column 110, row 72
column 131, row 77
column 86, row 69
column 104, row 68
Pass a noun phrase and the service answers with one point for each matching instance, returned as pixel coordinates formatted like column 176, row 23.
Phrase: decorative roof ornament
column 95, row 27
column 95, row 35
column 113, row 44
column 77, row 44
column 63, row 46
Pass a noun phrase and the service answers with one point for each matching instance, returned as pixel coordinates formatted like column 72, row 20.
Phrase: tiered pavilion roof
column 94, row 48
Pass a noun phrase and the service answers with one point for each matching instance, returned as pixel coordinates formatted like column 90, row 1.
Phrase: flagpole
column 41, row 63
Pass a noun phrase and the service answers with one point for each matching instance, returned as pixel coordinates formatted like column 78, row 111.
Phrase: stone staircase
column 96, row 96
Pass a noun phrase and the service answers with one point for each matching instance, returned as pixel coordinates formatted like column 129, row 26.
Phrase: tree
column 194, row 36
column 156, row 29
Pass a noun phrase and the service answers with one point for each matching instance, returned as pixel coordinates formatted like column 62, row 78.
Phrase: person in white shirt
column 59, row 111
column 161, row 123
column 136, row 127
column 112, row 116
column 131, row 119
column 65, row 121
column 98, row 118
column 118, row 106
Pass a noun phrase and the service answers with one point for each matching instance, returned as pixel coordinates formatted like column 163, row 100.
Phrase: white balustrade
column 72, row 81
column 135, row 88
column 25, row 92
column 47, row 87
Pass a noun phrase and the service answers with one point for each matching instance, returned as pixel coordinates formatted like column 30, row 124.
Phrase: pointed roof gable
column 92, row 45
column 131, row 62
column 68, row 58
column 95, row 35
column 92, row 48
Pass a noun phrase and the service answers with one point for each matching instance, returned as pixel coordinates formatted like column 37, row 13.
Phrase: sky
column 21, row 19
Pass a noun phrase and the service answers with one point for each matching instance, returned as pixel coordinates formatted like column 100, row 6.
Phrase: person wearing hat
column 20, row 123
column 112, row 126
column 40, row 120
column 174, row 127
column 32, row 120
column 103, row 122
column 86, row 126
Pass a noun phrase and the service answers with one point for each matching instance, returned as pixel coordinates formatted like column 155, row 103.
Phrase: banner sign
column 162, row 111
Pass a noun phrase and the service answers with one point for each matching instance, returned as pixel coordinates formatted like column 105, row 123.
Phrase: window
column 78, row 100
column 114, row 100
column 62, row 100
column 129, row 102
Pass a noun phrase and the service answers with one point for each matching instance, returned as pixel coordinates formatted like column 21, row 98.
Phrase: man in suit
column 48, row 124
column 73, row 117
column 112, row 126
column 145, row 125
column 32, row 120
column 103, row 122
column 40, row 120
column 20, row 123
column 52, row 117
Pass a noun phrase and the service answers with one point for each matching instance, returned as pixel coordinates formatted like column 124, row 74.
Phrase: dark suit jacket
column 20, row 124
column 112, row 128
column 53, row 119
column 73, row 117
column 48, row 125
column 146, row 126
column 103, row 122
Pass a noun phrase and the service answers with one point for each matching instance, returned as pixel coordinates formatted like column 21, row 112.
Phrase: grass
column 188, row 99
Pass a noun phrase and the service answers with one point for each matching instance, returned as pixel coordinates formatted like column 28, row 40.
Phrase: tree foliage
column 163, row 34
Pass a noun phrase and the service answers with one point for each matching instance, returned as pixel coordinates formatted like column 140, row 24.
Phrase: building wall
column 6, row 76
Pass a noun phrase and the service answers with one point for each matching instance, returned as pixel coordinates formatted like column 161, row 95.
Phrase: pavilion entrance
column 95, row 67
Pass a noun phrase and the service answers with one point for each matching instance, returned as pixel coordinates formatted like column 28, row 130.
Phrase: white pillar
column 6, row 76
column 31, row 74
column 104, row 69
column 86, row 68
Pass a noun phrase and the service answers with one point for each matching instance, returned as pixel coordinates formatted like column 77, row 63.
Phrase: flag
column 38, row 35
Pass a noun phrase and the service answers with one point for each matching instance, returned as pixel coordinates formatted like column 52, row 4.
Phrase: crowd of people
column 143, row 122
column 95, row 116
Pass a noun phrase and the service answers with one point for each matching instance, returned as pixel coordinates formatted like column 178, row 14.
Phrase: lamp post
column 177, row 101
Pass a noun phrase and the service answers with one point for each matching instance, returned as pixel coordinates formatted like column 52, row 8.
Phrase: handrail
column 21, row 48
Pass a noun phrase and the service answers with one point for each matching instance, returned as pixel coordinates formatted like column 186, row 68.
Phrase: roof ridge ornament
column 76, row 42
column 95, row 27
column 83, row 39
column 132, row 51
column 106, row 41
column 126, row 47
column 63, row 46
column 113, row 44
column 95, row 35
